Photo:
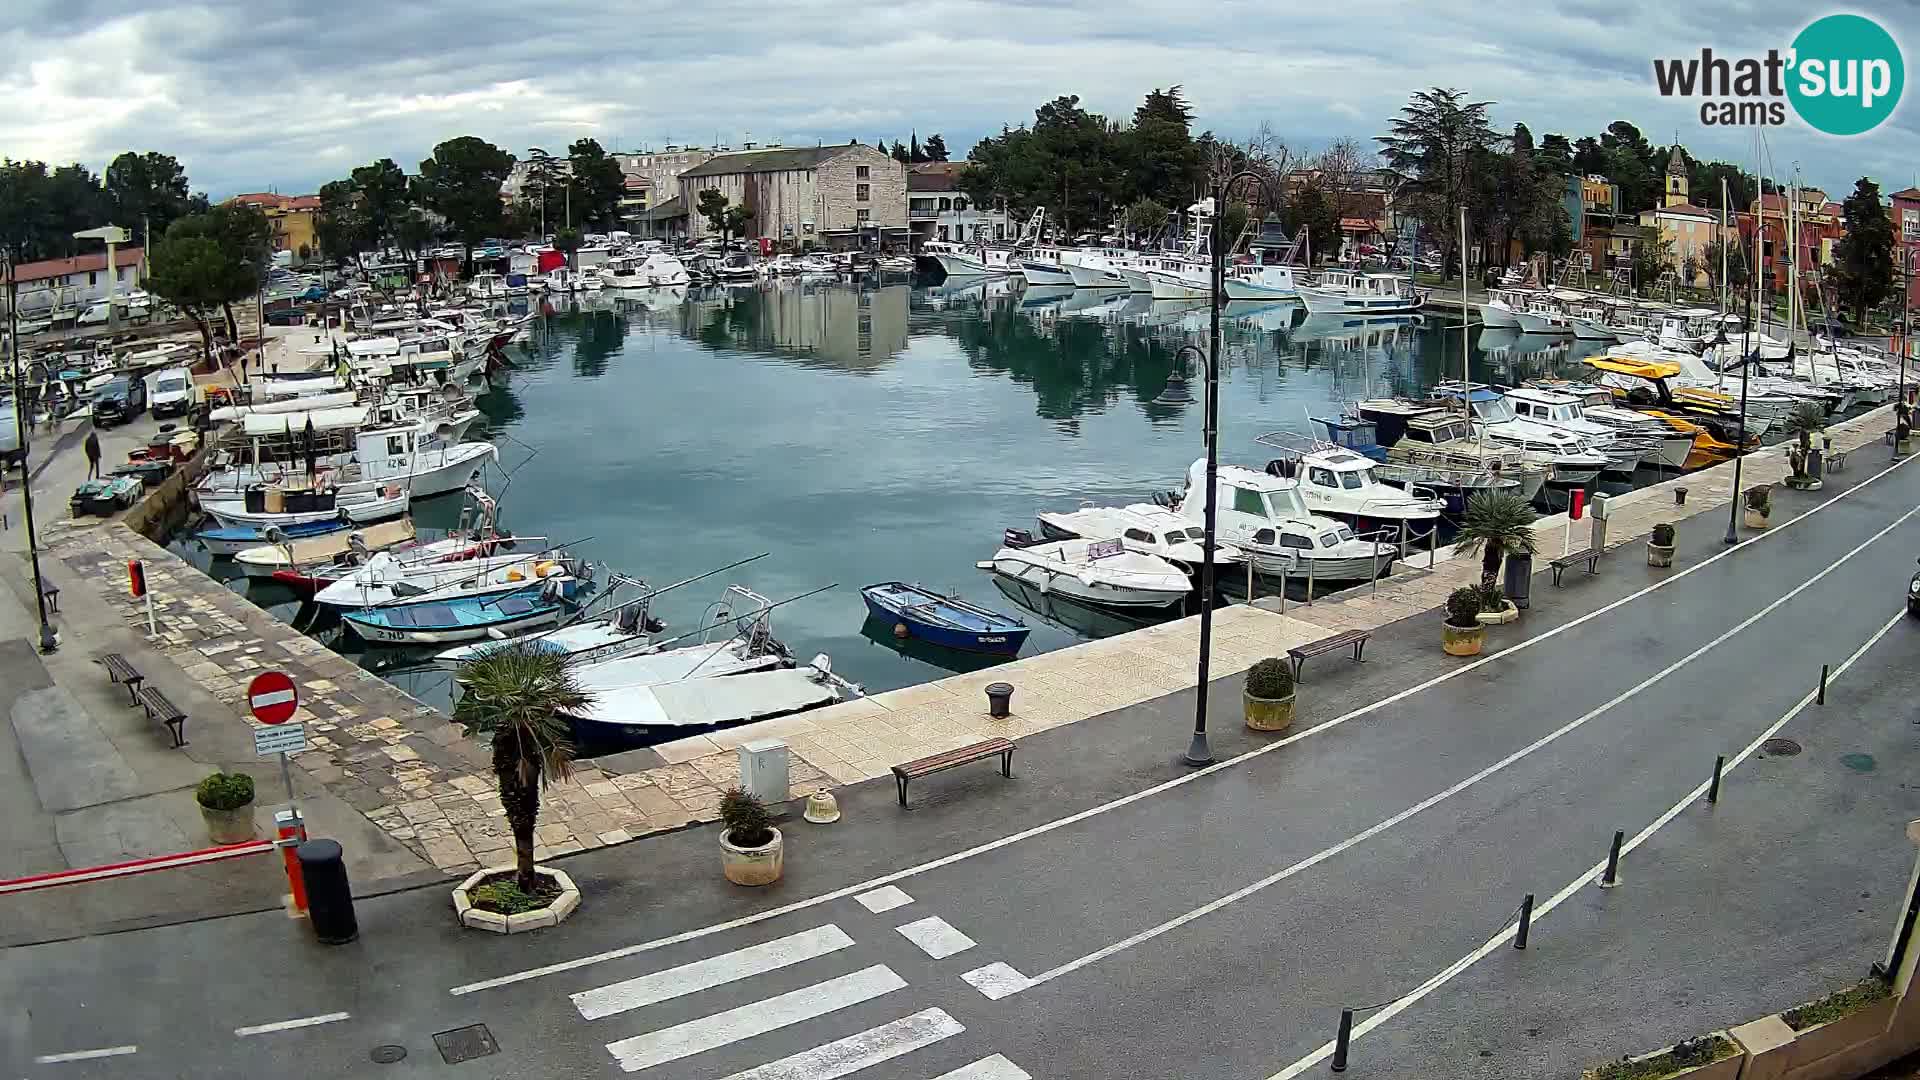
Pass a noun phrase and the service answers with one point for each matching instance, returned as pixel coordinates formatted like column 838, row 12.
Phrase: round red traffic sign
column 273, row 698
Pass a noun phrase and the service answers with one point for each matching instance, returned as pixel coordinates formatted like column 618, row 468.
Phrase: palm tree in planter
column 518, row 699
column 1806, row 419
column 1497, row 524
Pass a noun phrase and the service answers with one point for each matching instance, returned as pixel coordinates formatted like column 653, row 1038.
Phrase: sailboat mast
column 1721, row 361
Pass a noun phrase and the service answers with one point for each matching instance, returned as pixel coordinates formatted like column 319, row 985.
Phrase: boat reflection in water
column 880, row 632
column 1073, row 616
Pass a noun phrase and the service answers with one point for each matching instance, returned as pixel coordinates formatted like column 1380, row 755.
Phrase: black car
column 123, row 398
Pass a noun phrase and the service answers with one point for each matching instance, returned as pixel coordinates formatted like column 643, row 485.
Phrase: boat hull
column 1092, row 277
column 1532, row 323
column 1056, row 583
column 1247, row 290
column 226, row 543
column 1340, row 303
column 448, row 635
column 1045, row 274
column 1498, row 317
column 999, row 642
column 1588, row 330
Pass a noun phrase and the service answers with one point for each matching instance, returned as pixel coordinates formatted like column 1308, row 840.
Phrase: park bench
column 162, row 711
column 1574, row 558
column 1300, row 654
column 1837, row 460
column 996, row 747
column 121, row 672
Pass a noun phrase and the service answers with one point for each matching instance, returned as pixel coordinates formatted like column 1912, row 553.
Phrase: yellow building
column 290, row 217
column 1688, row 228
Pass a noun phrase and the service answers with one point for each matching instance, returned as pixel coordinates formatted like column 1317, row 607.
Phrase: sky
column 280, row 95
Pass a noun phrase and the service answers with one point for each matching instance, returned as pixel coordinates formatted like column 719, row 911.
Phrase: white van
column 170, row 391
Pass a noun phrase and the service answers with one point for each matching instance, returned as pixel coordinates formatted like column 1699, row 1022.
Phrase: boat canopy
column 1645, row 369
column 293, row 423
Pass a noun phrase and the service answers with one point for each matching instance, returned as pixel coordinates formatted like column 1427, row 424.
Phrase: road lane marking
column 289, row 1025
column 86, row 1055
column 754, row 1018
column 713, row 971
column 1157, row 789
column 996, row 980
column 936, row 937
column 996, row 1067
column 884, row 899
column 830, row 1061
column 1448, row 973
column 1550, row 737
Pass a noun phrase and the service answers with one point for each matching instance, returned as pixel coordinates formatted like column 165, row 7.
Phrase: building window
column 946, row 204
column 960, row 205
column 93, row 277
column 862, row 192
column 863, row 216
column 862, row 172
column 999, row 231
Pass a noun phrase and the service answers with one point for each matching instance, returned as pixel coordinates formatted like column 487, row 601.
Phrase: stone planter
column 1507, row 613
column 1268, row 714
column 1462, row 640
column 228, row 826
column 752, row 866
column 1838, row 1036
column 1659, row 554
column 1803, row 483
column 553, row 914
column 1754, row 519
column 1727, row 1068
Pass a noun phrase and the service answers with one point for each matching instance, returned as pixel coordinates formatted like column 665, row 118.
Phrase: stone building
column 653, row 175
column 848, row 196
column 938, row 210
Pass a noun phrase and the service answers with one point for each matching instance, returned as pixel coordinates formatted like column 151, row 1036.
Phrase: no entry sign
column 272, row 697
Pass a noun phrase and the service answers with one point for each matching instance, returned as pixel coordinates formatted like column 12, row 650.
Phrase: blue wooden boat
column 459, row 618
column 233, row 540
column 945, row 620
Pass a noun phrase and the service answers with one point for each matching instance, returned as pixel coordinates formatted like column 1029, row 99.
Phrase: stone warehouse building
column 849, row 196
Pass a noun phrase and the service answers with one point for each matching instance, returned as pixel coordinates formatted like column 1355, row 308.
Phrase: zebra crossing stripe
column 755, row 1018
column 830, row 1061
column 996, row 1067
column 711, row 972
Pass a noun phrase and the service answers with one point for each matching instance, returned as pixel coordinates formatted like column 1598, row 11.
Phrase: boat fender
column 515, row 574
column 545, row 568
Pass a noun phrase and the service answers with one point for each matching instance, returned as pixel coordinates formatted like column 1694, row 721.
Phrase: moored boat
column 945, row 620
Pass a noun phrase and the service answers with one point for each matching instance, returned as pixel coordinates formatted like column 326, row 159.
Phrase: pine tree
column 1864, row 259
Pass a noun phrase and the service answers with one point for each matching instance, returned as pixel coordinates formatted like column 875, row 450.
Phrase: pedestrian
column 93, row 455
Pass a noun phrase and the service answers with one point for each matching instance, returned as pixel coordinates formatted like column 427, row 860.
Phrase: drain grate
column 387, row 1055
column 1779, row 748
column 465, row 1043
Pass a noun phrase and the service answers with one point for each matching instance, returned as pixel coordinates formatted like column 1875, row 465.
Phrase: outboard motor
column 1166, row 499
column 1018, row 538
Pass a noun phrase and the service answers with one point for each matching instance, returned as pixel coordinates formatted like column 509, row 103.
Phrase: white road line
column 86, row 1055
column 1364, row 835
column 1147, row 793
column 1447, row 974
column 711, row 972
column 936, row 937
column 988, row 1068
column 884, row 899
column 289, row 1025
column 840, row 1057
column 755, row 1018
column 996, row 980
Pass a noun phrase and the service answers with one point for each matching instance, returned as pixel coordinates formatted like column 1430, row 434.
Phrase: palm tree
column 515, row 696
column 1497, row 523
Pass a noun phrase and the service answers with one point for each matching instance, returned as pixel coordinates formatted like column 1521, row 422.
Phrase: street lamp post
column 1746, row 367
column 49, row 641
column 1902, row 413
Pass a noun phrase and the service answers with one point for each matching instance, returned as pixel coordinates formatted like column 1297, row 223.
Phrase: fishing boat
column 1044, row 266
column 226, row 543
column 458, row 618
column 1142, row 527
column 1353, row 433
column 945, row 620
column 390, row 577
column 1262, row 283
column 1345, row 292
column 1544, row 315
column 1573, row 459
column 627, row 629
column 1499, row 310
column 283, row 507
column 1095, row 572
column 1432, row 450
column 1560, row 407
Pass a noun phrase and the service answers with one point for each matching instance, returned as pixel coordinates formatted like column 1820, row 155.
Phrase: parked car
column 120, row 399
column 170, row 392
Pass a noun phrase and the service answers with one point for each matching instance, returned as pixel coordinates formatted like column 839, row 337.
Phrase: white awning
column 295, row 422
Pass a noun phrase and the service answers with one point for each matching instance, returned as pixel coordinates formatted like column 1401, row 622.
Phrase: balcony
column 917, row 214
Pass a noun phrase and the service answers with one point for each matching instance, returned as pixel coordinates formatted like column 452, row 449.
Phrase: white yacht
column 1095, row 572
column 1671, row 446
column 1184, row 278
column 1098, row 268
column 1574, row 459
column 1568, row 413
column 1262, row 283
column 1498, row 311
column 1350, row 293
column 961, row 261
column 1338, row 483
column 1046, row 266
column 1142, row 527
column 1265, row 517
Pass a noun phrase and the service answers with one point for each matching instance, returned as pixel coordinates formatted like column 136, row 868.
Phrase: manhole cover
column 387, row 1055
column 1858, row 762
column 1779, row 748
column 466, row 1043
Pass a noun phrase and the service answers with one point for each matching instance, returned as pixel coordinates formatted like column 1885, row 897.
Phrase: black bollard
column 999, row 699
column 329, row 896
column 1713, row 792
column 1612, row 876
column 1526, row 922
column 1823, row 686
column 1341, row 1040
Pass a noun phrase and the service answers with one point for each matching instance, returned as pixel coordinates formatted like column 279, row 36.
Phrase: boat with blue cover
column 460, row 618
column 228, row 541
column 945, row 620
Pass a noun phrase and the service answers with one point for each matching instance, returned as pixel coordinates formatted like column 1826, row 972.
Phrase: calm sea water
column 876, row 433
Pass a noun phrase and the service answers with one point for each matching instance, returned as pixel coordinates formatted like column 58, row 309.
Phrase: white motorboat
column 1671, row 446
column 1434, row 449
column 1346, row 292
column 1045, row 266
column 1097, row 268
column 657, row 270
column 1265, row 517
column 388, row 578
column 314, row 505
column 1565, row 411
column 1182, row 278
column 1498, row 312
column 1095, row 572
column 1142, row 527
column 1544, row 315
column 1336, row 482
column 1262, row 283
column 1574, row 459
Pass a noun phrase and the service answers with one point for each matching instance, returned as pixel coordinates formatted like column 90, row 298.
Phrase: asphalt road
column 1187, row 924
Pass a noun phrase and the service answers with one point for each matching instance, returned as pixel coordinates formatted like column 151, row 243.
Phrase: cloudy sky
column 285, row 95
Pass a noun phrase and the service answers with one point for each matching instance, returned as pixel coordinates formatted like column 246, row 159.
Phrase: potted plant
column 226, row 805
column 1805, row 419
column 1268, row 695
column 750, row 847
column 1708, row 1057
column 1461, row 634
column 1759, row 503
column 1660, row 546
column 518, row 699
column 1495, row 608
column 1497, row 525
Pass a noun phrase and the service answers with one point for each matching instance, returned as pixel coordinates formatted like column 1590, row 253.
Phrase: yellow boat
column 1712, row 418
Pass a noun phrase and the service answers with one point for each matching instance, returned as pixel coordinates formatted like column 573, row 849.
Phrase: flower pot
column 751, row 866
column 1268, row 714
column 228, row 826
column 1659, row 554
column 1462, row 640
column 1755, row 519
column 1505, row 615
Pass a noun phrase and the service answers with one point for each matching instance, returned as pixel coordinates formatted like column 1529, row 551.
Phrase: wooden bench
column 1300, row 654
column 1001, row 748
column 51, row 594
column 162, row 711
column 122, row 672
column 1584, row 555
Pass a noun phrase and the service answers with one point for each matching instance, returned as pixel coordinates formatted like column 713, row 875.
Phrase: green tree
column 1308, row 207
column 412, row 232
column 148, row 191
column 936, row 147
column 1433, row 146
column 1496, row 524
column 1145, row 217
column 1863, row 260
column 598, row 184
column 737, row 220
column 723, row 219
column 382, row 188
column 567, row 241
column 1650, row 258
column 189, row 272
column 1736, row 256
column 242, row 236
column 900, row 153
column 343, row 226
column 915, row 155
column 518, row 698
column 461, row 182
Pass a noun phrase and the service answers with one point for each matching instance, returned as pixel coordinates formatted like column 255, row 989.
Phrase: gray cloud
column 287, row 95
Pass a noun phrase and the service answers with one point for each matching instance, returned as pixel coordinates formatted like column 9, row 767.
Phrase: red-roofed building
column 1906, row 234
column 1820, row 227
column 79, row 281
column 290, row 217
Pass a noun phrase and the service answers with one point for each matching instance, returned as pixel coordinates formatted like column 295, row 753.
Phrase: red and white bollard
column 290, row 831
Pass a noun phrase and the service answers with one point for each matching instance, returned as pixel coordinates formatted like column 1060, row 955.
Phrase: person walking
column 92, row 447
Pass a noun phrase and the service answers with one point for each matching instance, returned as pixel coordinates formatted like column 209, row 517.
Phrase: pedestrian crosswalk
column 729, row 1037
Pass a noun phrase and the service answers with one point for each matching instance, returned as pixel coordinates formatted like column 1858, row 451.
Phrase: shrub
column 1463, row 607
column 1491, row 598
column 1686, row 1054
column 1760, row 498
column 225, row 791
column 1663, row 534
column 746, row 818
column 1270, row 678
column 1836, row 1005
column 502, row 894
